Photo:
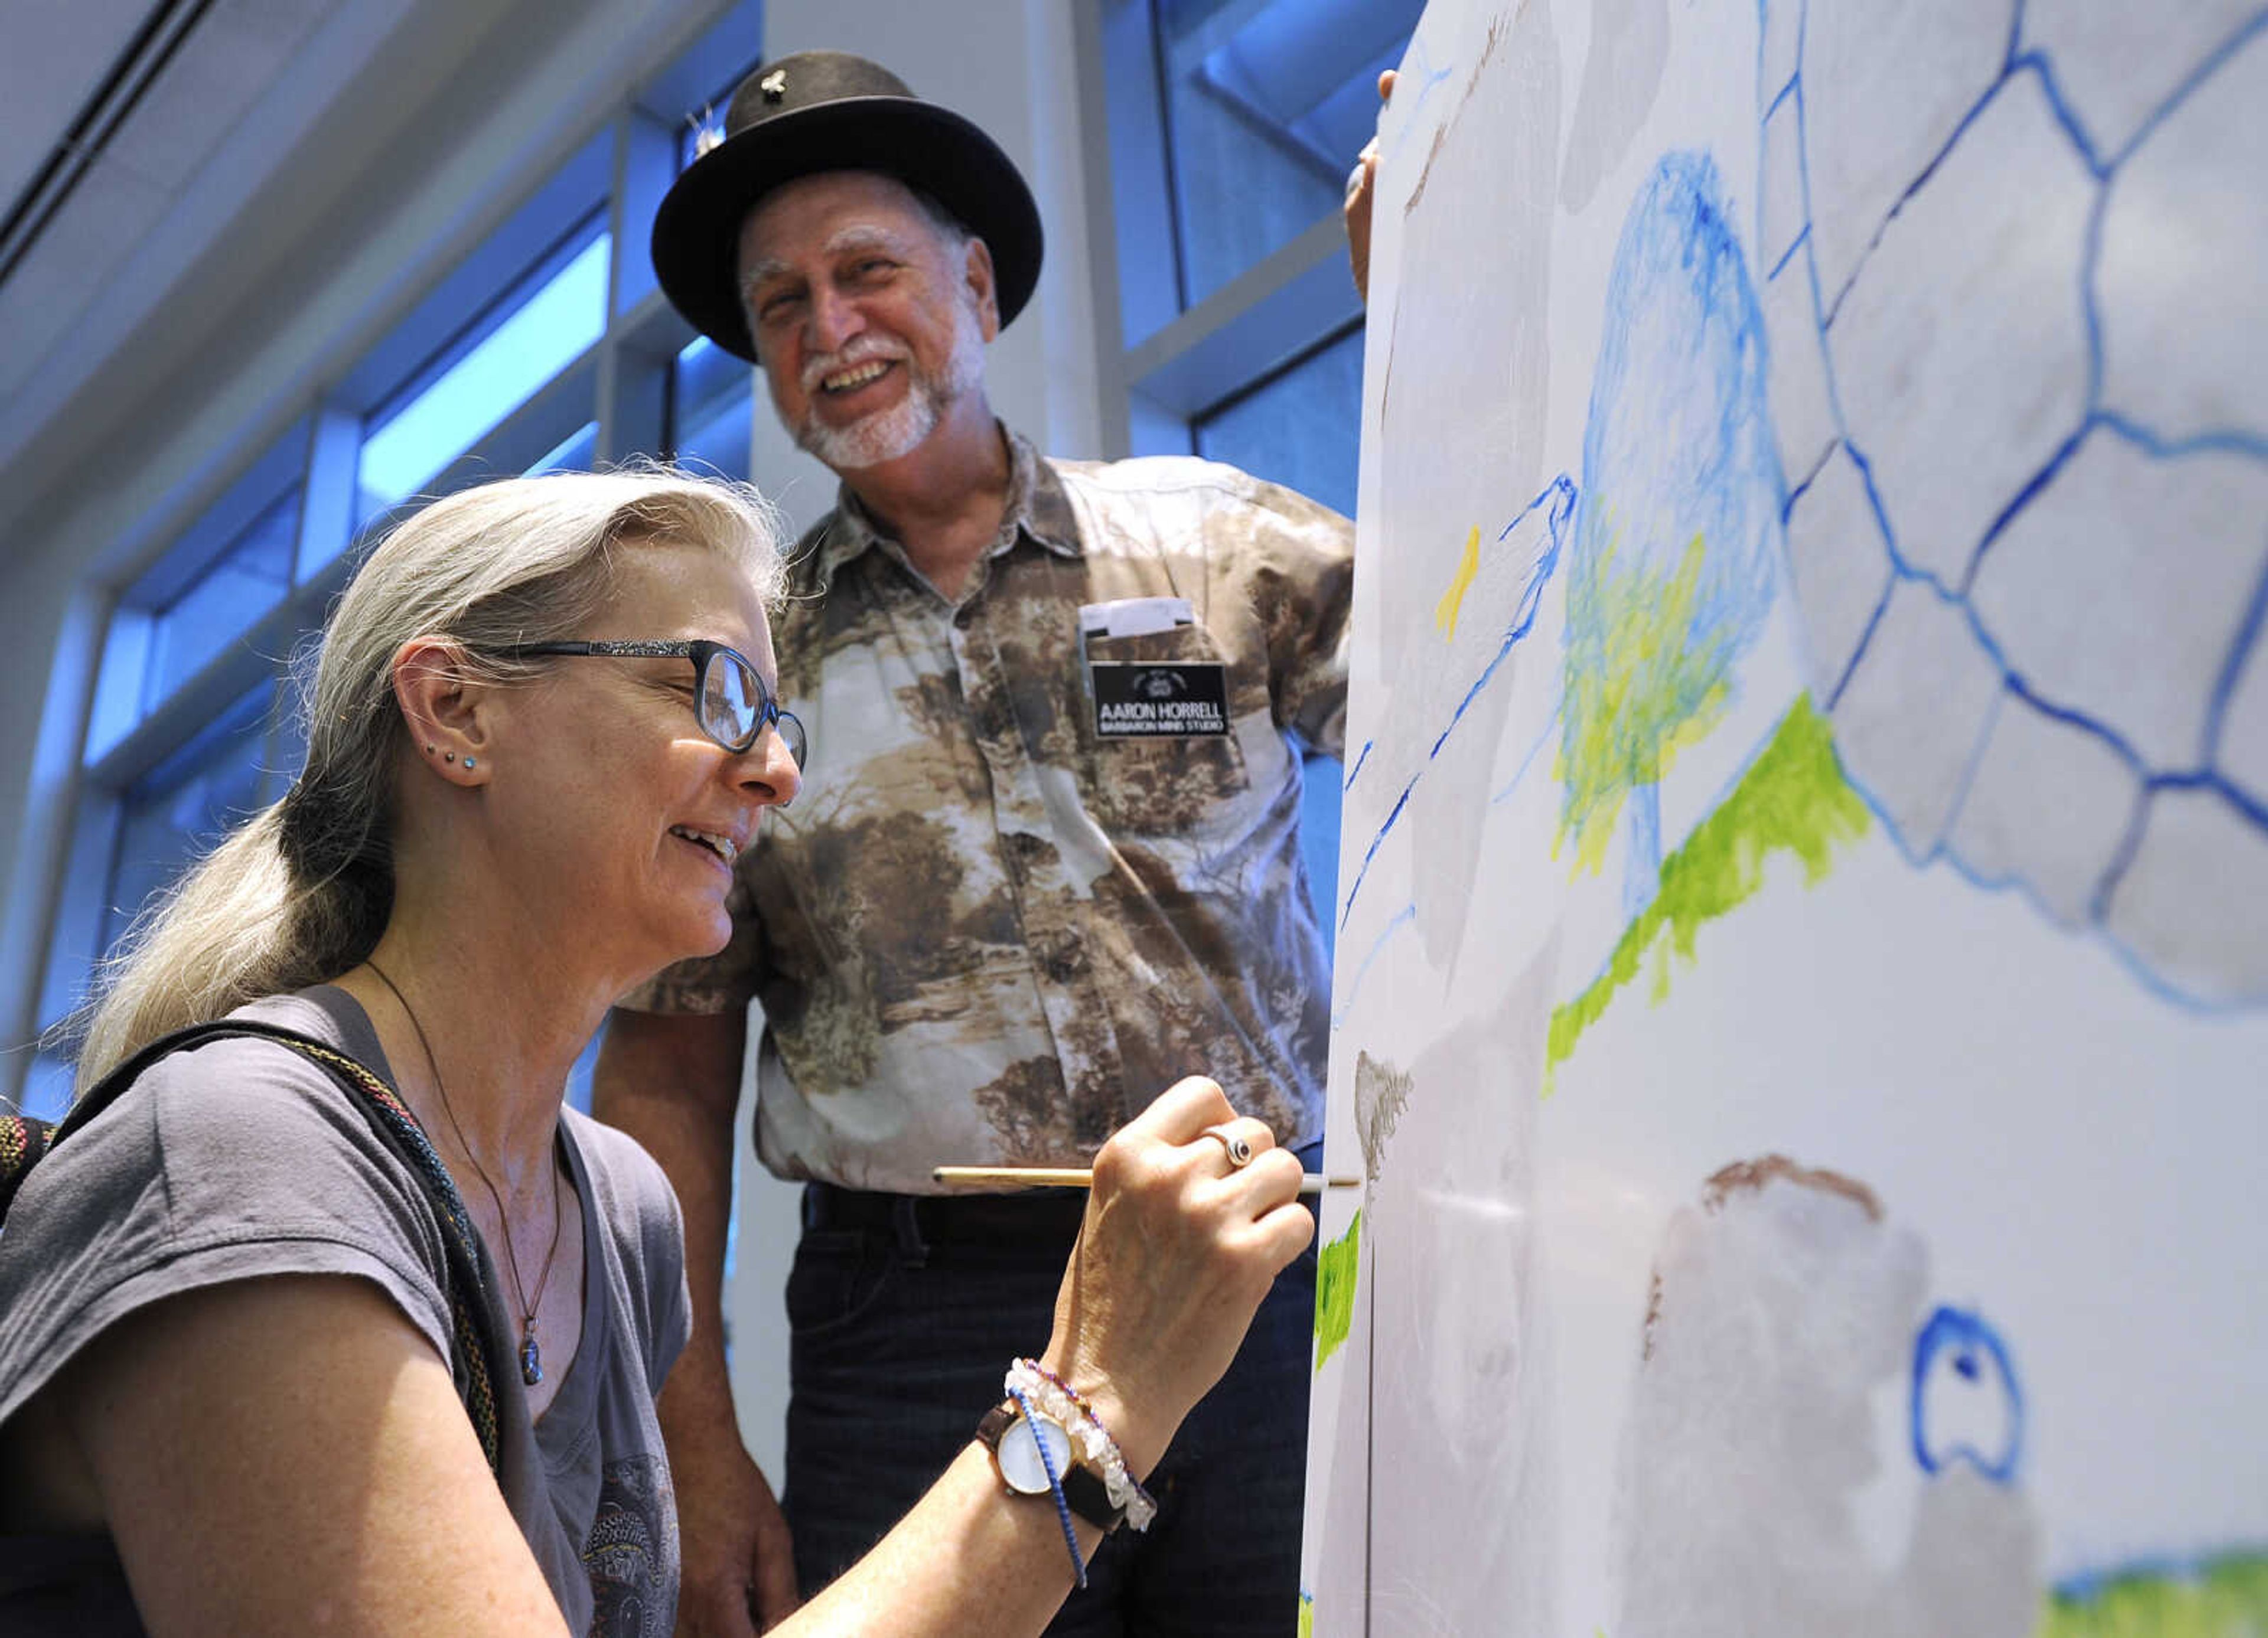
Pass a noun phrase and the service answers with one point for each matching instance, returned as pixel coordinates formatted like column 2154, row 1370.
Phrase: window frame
column 611, row 180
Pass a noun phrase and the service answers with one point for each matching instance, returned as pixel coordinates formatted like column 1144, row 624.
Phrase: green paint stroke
column 2224, row 1598
column 1792, row 799
column 1638, row 690
column 1334, row 1272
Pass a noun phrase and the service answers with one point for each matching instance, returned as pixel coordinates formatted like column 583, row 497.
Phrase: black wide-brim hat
column 830, row 110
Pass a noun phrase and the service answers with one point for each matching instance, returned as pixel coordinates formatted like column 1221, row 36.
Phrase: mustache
column 862, row 349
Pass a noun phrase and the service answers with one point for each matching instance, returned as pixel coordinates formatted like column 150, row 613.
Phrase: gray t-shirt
column 239, row 1158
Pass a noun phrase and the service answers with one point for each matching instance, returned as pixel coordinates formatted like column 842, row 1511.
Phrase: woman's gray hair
column 301, row 891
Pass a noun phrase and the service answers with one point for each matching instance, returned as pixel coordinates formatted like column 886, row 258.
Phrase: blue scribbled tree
column 1676, row 554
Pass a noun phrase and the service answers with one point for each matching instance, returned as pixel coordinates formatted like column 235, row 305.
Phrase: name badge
column 1135, row 698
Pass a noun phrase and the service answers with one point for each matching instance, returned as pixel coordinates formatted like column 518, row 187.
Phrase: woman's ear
column 444, row 706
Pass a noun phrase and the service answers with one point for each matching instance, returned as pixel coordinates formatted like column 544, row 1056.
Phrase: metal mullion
column 327, row 490
column 1250, row 326
column 1102, row 236
column 1261, row 383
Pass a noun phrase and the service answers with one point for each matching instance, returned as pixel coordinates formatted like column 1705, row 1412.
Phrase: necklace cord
column 504, row 1222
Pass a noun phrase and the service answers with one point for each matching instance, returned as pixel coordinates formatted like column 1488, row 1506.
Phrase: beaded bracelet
column 1054, row 1485
column 1064, row 1404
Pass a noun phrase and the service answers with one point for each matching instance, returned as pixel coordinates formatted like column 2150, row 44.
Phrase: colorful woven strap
column 470, row 1363
column 24, row 1140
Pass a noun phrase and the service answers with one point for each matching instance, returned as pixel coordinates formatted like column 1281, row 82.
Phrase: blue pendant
column 531, row 1357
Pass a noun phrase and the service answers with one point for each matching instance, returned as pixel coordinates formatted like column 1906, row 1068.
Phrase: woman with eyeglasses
column 361, row 1330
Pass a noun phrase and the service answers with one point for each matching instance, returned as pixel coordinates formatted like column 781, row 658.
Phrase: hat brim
column 696, row 232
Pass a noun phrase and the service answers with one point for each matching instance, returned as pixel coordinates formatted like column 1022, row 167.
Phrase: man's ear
column 444, row 706
column 983, row 291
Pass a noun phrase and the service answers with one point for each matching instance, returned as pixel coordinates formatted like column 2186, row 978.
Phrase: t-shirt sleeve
column 1295, row 559
column 235, row 1160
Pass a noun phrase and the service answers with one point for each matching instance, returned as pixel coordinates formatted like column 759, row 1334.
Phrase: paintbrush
column 1078, row 1178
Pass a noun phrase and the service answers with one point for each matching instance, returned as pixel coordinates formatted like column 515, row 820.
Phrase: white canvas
column 1802, row 1011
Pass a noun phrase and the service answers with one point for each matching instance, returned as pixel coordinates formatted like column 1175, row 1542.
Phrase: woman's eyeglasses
column 730, row 701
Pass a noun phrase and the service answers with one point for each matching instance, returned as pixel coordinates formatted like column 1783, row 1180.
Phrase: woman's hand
column 1178, row 1248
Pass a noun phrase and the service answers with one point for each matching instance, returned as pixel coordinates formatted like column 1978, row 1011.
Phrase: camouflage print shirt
column 986, row 934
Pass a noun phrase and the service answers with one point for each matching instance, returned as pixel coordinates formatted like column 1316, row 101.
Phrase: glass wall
column 1233, row 125
column 534, row 353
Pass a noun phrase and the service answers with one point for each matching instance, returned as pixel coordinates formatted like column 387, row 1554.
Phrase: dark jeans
column 905, row 1313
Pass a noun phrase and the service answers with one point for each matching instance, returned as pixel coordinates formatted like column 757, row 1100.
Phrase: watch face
column 1019, row 1454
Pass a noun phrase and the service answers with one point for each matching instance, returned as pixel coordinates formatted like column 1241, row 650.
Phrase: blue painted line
column 2248, row 805
column 2088, row 1586
column 1959, row 130
column 2252, row 446
column 1550, row 729
column 1407, row 916
column 2090, row 299
column 1801, row 238
column 2036, row 63
column 1357, row 768
column 2036, row 483
column 2122, row 857
column 2205, row 71
column 1559, row 496
column 2228, row 441
column 2248, row 639
column 1966, row 1335
column 1371, row 852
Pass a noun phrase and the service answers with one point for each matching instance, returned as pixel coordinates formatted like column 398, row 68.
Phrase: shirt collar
column 1037, row 506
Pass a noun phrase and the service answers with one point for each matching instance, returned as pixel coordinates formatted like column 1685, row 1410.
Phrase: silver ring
column 1238, row 1150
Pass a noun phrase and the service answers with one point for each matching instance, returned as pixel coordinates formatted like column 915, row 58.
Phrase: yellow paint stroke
column 1445, row 612
column 1637, row 693
column 1792, row 799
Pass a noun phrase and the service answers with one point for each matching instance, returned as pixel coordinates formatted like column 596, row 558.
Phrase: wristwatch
column 1014, row 1442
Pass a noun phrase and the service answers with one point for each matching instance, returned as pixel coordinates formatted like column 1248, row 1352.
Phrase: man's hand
column 737, row 1572
column 1362, row 186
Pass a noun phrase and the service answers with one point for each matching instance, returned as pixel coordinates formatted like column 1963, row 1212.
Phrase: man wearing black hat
column 1044, row 863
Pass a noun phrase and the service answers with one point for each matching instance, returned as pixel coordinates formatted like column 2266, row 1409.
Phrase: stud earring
column 448, row 756
column 470, row 764
column 429, row 750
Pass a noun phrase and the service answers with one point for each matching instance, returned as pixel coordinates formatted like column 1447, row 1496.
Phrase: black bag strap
column 476, row 1369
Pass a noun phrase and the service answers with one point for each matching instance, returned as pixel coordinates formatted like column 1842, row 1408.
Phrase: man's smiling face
column 869, row 316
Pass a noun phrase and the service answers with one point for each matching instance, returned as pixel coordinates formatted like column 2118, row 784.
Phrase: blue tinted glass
column 118, row 689
column 221, row 604
column 48, row 1086
column 1303, row 430
column 183, row 807
column 571, row 454
column 533, row 343
column 1267, row 104
column 714, row 400
column 578, row 1074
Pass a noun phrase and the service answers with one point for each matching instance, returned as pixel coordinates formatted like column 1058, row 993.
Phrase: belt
column 947, row 1219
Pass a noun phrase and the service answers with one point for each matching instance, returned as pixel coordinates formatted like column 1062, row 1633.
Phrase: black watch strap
column 1082, row 1486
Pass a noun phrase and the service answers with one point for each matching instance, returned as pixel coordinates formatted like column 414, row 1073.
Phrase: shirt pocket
column 1159, row 784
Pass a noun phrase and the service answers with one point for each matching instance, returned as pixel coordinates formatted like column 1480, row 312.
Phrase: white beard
column 898, row 431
